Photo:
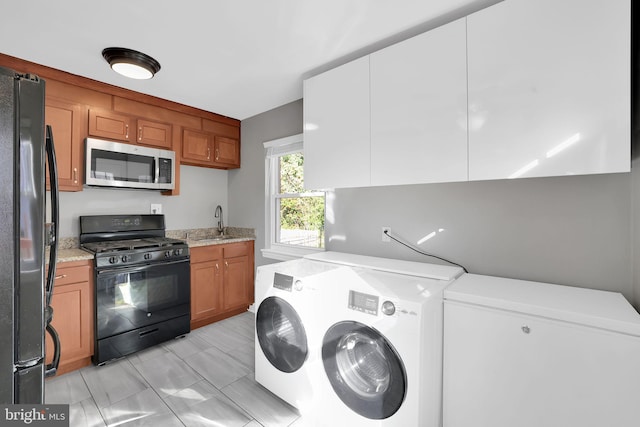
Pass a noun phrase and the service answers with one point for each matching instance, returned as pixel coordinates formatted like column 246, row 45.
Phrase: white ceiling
column 237, row 58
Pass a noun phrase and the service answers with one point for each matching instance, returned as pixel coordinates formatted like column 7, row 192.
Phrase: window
column 294, row 215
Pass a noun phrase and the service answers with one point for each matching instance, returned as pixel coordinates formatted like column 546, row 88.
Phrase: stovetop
column 152, row 243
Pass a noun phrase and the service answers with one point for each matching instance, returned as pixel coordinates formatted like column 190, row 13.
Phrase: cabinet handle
column 139, row 134
column 126, row 131
column 75, row 175
column 217, row 268
column 62, row 276
column 217, row 154
column 208, row 153
column 226, row 265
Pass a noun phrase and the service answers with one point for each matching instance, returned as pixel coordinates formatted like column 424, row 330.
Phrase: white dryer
column 286, row 342
column 381, row 343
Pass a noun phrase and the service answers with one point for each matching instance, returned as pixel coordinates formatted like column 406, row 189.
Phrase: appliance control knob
column 298, row 285
column 125, row 258
column 177, row 251
column 167, row 254
column 113, row 260
column 388, row 308
column 147, row 256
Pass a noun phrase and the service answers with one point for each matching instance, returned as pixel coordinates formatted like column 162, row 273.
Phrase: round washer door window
column 364, row 370
column 281, row 334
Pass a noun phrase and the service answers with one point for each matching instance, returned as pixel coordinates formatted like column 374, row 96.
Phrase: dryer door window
column 364, row 369
column 281, row 334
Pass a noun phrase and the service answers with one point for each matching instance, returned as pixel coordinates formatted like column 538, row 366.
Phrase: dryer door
column 364, row 369
column 281, row 334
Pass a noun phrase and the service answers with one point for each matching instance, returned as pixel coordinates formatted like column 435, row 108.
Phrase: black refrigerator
column 26, row 145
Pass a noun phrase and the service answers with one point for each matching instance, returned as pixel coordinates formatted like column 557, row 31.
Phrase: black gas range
column 142, row 283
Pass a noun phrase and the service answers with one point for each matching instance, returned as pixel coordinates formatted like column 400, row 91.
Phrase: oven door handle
column 130, row 269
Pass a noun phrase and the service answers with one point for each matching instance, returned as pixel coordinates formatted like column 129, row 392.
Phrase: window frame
column 273, row 151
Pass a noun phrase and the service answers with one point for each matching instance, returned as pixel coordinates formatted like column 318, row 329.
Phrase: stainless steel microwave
column 113, row 164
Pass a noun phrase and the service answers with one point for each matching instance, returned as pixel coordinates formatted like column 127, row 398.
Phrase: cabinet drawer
column 235, row 249
column 205, row 253
column 65, row 276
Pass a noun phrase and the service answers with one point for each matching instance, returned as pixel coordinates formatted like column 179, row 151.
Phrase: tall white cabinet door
column 549, row 88
column 419, row 109
column 505, row 369
column 336, row 127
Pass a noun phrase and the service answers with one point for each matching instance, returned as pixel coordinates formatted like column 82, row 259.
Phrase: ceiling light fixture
column 131, row 63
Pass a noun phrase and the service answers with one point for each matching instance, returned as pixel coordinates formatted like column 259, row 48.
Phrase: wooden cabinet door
column 236, row 282
column 72, row 304
column 206, row 296
column 227, row 151
column 110, row 125
column 154, row 134
column 549, row 89
column 65, row 120
column 196, row 147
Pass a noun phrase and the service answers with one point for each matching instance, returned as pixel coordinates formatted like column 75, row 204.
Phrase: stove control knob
column 388, row 308
column 113, row 260
column 167, row 254
column 177, row 252
column 147, row 256
column 125, row 258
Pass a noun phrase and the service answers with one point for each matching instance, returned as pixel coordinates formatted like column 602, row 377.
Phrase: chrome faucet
column 218, row 214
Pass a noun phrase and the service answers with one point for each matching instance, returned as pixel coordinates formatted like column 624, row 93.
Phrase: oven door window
column 125, row 167
column 127, row 299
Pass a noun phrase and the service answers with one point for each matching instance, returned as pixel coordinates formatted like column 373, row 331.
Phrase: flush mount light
column 131, row 63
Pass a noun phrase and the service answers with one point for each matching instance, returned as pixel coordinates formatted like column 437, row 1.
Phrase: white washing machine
column 286, row 296
column 381, row 343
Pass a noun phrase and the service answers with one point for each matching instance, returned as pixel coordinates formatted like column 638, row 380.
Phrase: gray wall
column 575, row 230
column 201, row 190
column 247, row 185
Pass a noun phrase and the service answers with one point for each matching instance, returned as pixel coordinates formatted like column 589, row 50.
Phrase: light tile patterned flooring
column 204, row 379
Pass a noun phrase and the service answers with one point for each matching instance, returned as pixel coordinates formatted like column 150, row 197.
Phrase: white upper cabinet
column 549, row 88
column 337, row 127
column 419, row 109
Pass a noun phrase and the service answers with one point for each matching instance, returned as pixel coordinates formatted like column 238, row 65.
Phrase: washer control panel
column 364, row 303
column 283, row 282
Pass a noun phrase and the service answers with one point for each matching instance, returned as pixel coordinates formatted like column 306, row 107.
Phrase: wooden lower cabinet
column 221, row 281
column 72, row 304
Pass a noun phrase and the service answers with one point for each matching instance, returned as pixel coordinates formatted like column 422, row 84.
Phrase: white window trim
column 274, row 250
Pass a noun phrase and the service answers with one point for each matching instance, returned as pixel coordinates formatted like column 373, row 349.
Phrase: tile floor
column 204, row 379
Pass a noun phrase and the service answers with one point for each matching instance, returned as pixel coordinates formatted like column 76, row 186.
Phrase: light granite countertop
column 69, row 247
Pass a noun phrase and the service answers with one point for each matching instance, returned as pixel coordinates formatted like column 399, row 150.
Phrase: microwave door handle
column 156, row 168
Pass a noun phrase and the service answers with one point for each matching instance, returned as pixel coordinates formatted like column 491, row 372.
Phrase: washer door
column 364, row 369
column 281, row 334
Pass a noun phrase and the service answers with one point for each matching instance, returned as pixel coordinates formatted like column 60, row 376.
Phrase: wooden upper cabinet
column 107, row 124
column 226, row 150
column 196, row 147
column 120, row 127
column 223, row 143
column 65, row 120
column 155, row 134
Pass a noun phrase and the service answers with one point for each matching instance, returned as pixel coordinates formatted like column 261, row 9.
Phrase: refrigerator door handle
column 55, row 215
column 52, row 368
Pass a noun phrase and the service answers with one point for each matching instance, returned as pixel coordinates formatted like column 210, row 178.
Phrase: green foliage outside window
column 304, row 213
